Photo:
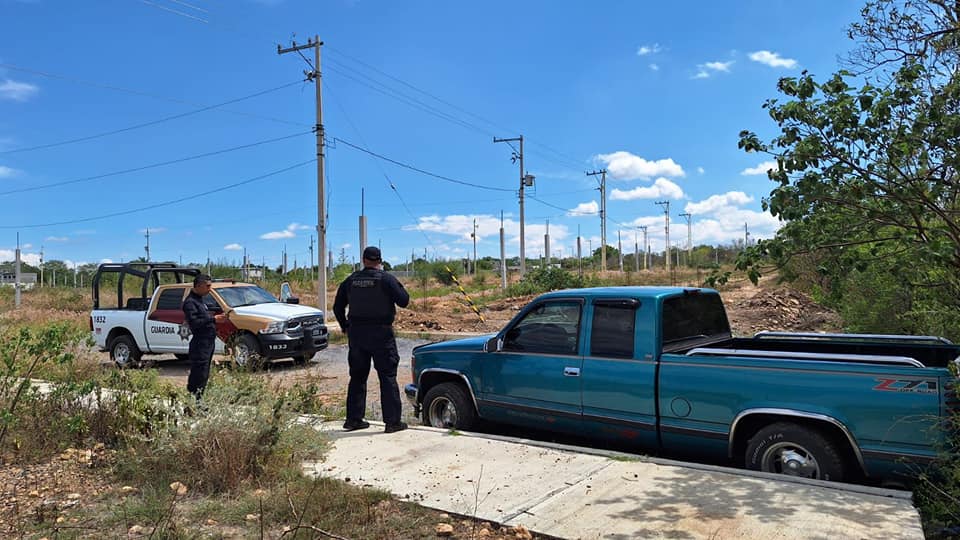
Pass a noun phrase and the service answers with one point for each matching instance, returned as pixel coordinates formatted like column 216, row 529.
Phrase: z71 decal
column 920, row 386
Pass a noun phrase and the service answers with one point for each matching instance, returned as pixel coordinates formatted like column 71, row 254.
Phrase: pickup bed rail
column 768, row 334
column 857, row 358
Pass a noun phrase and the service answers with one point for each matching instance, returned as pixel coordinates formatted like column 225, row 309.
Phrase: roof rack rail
column 764, row 334
column 856, row 358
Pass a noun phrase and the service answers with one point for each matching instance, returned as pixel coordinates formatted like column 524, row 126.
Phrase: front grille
column 305, row 326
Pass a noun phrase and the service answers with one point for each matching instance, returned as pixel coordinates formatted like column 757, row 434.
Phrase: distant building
column 28, row 280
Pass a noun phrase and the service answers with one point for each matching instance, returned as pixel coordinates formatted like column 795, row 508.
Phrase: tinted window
column 693, row 316
column 550, row 328
column 171, row 299
column 246, row 295
column 612, row 333
column 210, row 302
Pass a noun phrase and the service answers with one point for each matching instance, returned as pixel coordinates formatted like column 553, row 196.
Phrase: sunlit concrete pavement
column 572, row 492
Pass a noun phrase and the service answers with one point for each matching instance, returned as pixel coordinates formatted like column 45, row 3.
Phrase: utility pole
column 503, row 256
column 147, row 247
column 525, row 180
column 746, row 236
column 636, row 252
column 546, row 244
column 666, row 214
column 311, row 257
column 363, row 222
column 473, row 236
column 620, row 249
column 41, row 263
column 16, row 275
column 686, row 215
column 579, row 253
column 315, row 76
column 603, row 216
column 646, row 248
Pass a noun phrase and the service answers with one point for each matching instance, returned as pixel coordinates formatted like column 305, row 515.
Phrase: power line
column 421, row 171
column 180, row 13
column 151, row 166
column 160, row 205
column 147, row 124
column 121, row 89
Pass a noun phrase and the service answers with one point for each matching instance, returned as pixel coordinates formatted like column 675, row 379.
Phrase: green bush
column 546, row 279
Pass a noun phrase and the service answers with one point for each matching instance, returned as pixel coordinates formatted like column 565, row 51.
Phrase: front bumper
column 287, row 346
column 410, row 390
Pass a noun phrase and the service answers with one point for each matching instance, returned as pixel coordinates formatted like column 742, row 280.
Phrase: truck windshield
column 246, row 295
column 694, row 316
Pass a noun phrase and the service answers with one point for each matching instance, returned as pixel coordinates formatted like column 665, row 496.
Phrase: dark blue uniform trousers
column 376, row 342
column 201, row 353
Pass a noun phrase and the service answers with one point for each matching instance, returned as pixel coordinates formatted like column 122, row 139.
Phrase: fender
column 449, row 372
column 795, row 414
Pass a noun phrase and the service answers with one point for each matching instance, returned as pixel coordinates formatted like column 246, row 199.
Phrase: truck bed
column 916, row 351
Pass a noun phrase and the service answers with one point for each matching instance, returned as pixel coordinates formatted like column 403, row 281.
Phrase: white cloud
column 106, row 261
column 289, row 232
column 233, row 247
column 701, row 170
column 626, row 166
column 10, row 255
column 719, row 66
column 660, row 188
column 8, row 172
column 591, row 208
column 773, row 59
column 715, row 203
column 17, row 91
column 644, row 50
column 654, row 67
column 706, row 69
column 56, row 239
column 759, row 169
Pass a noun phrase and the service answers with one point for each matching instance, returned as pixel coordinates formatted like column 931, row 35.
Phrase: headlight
column 276, row 327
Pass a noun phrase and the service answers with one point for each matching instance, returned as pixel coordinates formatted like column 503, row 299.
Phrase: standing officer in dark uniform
column 371, row 294
column 203, row 327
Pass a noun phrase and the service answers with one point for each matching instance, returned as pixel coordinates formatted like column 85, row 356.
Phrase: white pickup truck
column 259, row 328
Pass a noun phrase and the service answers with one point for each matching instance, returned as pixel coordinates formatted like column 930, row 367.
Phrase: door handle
column 571, row 372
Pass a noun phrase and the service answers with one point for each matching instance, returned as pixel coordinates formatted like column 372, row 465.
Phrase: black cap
column 371, row 253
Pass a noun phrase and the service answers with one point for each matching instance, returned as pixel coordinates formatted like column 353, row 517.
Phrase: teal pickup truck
column 659, row 368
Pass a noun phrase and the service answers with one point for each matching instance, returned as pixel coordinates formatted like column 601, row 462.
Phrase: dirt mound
column 781, row 309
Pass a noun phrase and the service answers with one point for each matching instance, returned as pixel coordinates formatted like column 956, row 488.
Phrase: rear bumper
column 285, row 346
column 410, row 391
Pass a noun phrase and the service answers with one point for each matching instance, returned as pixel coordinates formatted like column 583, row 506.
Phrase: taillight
column 91, row 323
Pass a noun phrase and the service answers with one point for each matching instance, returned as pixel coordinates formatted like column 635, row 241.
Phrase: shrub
column 546, row 279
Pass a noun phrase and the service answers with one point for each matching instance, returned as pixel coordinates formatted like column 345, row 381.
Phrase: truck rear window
column 693, row 316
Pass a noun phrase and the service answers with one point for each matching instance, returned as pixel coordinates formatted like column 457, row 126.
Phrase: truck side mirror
column 293, row 300
column 493, row 344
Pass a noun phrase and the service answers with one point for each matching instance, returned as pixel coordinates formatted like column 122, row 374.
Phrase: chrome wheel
column 121, row 354
column 442, row 413
column 790, row 459
column 241, row 354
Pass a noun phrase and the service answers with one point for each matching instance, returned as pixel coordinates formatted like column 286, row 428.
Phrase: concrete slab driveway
column 570, row 492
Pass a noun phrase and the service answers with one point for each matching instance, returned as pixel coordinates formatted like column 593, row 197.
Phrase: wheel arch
column 750, row 421
column 431, row 377
column 118, row 331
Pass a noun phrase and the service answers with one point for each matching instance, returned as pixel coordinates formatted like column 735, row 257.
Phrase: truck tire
column 795, row 450
column 302, row 359
column 182, row 357
column 124, row 352
column 448, row 405
column 246, row 353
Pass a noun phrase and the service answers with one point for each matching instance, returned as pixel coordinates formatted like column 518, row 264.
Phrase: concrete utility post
column 546, row 244
column 503, row 256
column 636, row 252
column 315, row 76
column 16, row 275
column 603, row 216
column 620, row 249
column 525, row 180
column 687, row 216
column 666, row 217
column 646, row 248
column 147, row 247
column 474, row 236
column 41, row 265
column 363, row 223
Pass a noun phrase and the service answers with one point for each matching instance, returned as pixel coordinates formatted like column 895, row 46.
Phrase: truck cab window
column 171, row 299
column 549, row 328
column 613, row 331
column 693, row 317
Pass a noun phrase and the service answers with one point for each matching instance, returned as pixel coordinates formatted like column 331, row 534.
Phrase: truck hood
column 277, row 311
column 465, row 344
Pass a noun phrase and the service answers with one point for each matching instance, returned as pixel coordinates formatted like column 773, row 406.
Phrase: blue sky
column 656, row 92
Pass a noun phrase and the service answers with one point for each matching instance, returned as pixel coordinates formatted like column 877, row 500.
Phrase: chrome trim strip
column 787, row 369
column 884, row 337
column 797, row 414
column 893, row 456
column 706, row 433
column 643, row 426
column 858, row 358
column 450, row 372
column 529, row 408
